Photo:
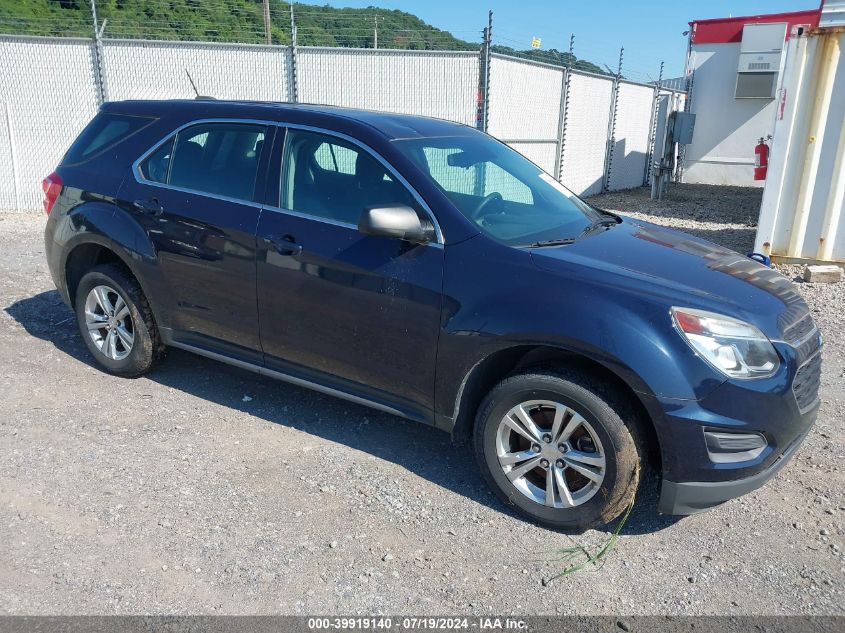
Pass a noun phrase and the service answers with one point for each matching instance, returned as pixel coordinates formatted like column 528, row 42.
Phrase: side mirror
column 397, row 221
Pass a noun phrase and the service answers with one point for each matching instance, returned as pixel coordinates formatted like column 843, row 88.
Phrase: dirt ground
column 206, row 489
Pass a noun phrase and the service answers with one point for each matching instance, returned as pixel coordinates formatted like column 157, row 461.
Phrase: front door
column 354, row 312
column 195, row 197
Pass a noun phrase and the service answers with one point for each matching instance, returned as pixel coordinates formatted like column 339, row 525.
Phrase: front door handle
column 286, row 245
column 149, row 207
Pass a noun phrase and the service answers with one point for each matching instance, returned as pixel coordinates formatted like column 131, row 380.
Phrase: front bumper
column 781, row 410
column 689, row 497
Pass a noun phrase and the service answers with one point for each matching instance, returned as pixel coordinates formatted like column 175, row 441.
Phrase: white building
column 733, row 71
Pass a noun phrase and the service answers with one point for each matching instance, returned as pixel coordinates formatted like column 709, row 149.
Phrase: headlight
column 733, row 347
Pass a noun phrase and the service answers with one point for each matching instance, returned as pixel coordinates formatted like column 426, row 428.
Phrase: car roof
column 390, row 126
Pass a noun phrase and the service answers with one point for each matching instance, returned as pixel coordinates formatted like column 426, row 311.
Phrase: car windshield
column 503, row 193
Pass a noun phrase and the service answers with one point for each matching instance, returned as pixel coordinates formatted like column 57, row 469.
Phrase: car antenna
column 194, row 86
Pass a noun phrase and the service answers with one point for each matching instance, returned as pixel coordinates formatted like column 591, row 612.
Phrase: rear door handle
column 286, row 245
column 149, row 207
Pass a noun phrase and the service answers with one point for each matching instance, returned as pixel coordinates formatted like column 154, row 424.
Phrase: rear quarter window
column 105, row 130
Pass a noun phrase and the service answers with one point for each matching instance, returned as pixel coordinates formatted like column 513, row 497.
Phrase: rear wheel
column 116, row 321
column 556, row 447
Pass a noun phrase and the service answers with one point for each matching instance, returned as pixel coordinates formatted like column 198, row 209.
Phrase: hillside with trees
column 243, row 21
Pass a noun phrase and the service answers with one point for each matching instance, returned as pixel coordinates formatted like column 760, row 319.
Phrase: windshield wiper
column 559, row 242
column 597, row 224
column 612, row 220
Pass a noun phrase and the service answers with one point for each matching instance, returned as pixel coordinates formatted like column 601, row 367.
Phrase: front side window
column 502, row 192
column 329, row 178
column 215, row 158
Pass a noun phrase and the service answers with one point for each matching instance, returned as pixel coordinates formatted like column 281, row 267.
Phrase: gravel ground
column 205, row 489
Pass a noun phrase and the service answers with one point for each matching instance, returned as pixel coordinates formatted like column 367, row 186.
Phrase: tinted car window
column 329, row 178
column 216, row 158
column 105, row 130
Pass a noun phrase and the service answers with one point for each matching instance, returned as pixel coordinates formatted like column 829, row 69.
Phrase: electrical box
column 683, row 128
column 759, row 60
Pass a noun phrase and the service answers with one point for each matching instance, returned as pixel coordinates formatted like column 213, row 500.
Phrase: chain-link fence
column 431, row 83
column 49, row 94
column 525, row 108
column 592, row 132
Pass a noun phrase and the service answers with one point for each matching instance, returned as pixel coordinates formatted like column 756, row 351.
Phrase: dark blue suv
column 421, row 267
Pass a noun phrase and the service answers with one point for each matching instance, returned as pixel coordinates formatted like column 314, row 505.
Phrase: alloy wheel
column 550, row 453
column 109, row 322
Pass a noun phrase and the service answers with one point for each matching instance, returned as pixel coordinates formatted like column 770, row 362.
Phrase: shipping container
column 802, row 216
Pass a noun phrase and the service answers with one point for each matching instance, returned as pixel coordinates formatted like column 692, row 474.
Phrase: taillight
column 52, row 186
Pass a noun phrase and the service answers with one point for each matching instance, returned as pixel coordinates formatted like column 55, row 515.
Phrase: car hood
column 645, row 259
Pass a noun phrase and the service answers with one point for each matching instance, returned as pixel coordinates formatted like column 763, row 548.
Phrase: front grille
column 807, row 382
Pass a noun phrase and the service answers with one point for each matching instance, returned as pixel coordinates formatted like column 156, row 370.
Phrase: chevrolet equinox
column 421, row 267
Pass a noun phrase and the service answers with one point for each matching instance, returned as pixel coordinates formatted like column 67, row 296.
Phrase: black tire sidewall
column 141, row 356
column 614, row 436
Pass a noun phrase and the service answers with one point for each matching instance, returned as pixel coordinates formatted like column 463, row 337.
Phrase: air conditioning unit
column 759, row 60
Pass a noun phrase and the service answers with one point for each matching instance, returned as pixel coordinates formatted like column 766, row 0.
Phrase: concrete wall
column 726, row 128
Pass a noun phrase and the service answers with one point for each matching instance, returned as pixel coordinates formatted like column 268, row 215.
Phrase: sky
column 650, row 30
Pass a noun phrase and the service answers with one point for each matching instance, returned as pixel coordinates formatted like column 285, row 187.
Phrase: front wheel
column 116, row 322
column 555, row 445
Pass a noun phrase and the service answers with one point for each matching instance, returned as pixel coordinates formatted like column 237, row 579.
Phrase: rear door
column 354, row 312
column 194, row 194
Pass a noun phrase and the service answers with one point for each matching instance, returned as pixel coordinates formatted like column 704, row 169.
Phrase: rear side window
column 105, row 130
column 215, row 158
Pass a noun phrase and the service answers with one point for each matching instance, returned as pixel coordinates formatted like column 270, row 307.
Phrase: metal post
column 652, row 129
column 611, row 127
column 293, row 83
column 564, row 109
column 487, row 69
column 99, row 75
column 13, row 156
column 482, row 112
column 267, row 35
column 689, row 68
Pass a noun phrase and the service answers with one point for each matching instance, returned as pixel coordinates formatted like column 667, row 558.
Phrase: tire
column 589, row 501
column 131, row 355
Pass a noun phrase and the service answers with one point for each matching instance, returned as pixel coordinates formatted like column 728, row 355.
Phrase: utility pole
column 267, row 36
column 292, row 26
column 375, row 31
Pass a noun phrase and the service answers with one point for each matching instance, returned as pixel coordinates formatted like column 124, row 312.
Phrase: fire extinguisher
column 761, row 159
